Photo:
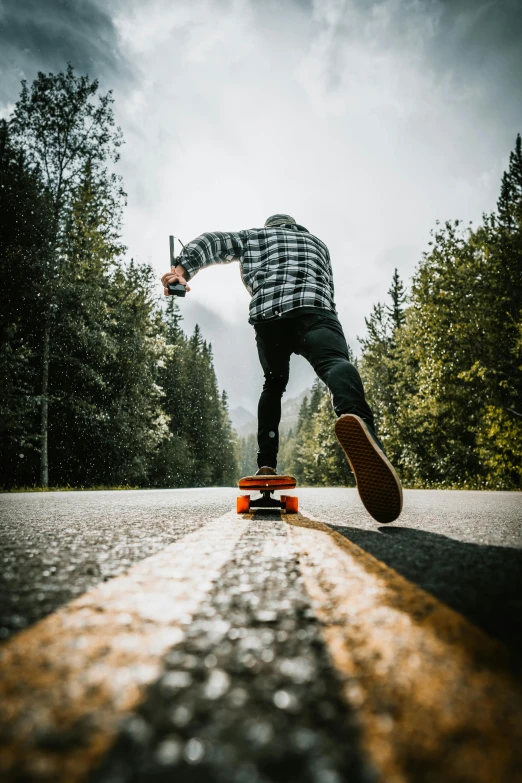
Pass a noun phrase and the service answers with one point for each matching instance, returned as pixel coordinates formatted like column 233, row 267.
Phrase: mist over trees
column 99, row 385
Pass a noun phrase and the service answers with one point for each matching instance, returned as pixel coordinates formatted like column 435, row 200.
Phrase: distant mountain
column 245, row 423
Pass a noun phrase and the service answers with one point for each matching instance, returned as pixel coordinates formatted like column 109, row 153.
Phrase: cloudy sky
column 366, row 120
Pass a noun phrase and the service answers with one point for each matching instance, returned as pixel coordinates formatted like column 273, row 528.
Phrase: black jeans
column 320, row 339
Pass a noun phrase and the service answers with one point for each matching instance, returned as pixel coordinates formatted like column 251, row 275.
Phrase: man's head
column 278, row 220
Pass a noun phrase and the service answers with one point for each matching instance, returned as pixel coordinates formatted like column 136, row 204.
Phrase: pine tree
column 380, row 365
column 205, row 425
column 499, row 434
column 298, row 460
column 131, row 422
column 285, row 458
column 438, row 391
column 196, row 425
column 227, row 462
column 60, row 126
column 509, row 204
column 25, row 236
column 397, row 295
column 248, row 455
column 173, row 461
column 313, row 454
column 327, row 466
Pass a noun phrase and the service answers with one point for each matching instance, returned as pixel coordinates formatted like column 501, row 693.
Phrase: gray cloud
column 478, row 43
column 467, row 44
column 45, row 36
column 476, row 33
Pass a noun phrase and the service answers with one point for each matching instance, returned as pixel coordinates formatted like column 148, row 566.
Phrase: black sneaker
column 377, row 482
column 266, row 471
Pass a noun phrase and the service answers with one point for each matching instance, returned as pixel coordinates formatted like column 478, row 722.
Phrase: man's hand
column 176, row 275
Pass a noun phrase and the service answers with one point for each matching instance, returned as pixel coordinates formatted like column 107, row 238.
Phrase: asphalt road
column 157, row 635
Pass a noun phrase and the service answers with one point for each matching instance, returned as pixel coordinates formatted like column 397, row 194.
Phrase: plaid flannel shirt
column 282, row 268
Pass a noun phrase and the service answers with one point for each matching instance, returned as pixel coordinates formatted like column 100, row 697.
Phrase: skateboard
column 267, row 485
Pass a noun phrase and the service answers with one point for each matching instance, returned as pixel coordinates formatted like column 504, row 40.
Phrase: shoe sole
column 378, row 485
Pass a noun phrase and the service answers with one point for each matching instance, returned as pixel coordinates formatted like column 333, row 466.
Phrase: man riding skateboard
column 287, row 272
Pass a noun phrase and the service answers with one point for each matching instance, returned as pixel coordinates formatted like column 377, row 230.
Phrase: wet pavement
column 175, row 643
column 251, row 695
column 464, row 548
column 54, row 546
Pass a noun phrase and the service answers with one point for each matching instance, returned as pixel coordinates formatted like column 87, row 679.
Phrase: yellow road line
column 80, row 670
column 434, row 694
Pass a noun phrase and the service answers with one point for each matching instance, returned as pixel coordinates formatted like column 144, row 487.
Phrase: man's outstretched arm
column 217, row 247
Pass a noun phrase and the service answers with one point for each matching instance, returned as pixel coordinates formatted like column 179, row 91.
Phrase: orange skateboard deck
column 267, row 485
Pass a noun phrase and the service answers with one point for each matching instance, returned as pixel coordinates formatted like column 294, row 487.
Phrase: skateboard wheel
column 283, row 500
column 242, row 504
column 291, row 505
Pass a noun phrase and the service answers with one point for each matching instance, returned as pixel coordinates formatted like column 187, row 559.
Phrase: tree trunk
column 44, row 460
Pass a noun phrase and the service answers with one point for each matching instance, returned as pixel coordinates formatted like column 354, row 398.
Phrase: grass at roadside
column 67, row 488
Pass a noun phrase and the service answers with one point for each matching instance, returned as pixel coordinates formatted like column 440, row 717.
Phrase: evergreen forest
column 96, row 371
